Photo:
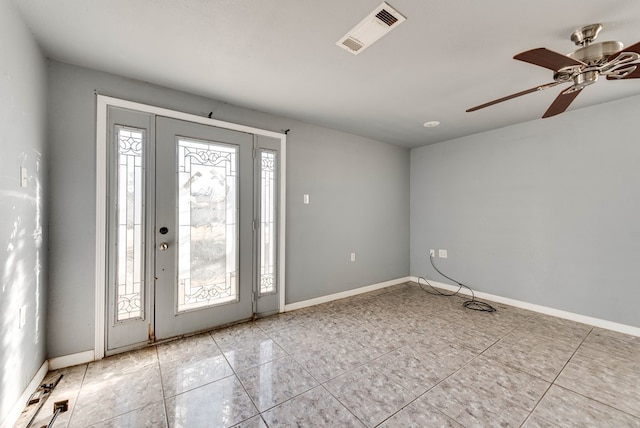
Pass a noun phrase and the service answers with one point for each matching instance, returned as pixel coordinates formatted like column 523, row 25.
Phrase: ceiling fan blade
column 561, row 103
column 508, row 97
column 543, row 57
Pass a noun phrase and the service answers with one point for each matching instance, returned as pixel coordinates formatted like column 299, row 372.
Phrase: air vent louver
column 378, row 23
column 352, row 44
column 386, row 17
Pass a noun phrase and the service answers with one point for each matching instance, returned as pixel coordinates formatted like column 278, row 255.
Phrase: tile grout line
column 457, row 371
column 580, row 394
column 144, row 367
column 84, row 375
column 503, row 334
column 441, row 381
column 553, row 382
column 357, row 367
column 599, row 402
column 572, row 355
column 314, row 378
column 343, row 405
column 164, row 398
column 208, row 383
column 235, row 375
column 453, row 374
column 323, row 384
column 103, row 420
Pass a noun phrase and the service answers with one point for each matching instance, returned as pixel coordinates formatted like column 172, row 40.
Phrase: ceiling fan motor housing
column 594, row 56
column 597, row 53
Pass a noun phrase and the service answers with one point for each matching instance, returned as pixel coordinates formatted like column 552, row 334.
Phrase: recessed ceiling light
column 431, row 124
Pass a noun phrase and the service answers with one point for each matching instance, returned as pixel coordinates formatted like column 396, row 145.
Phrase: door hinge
column 253, row 225
column 253, row 296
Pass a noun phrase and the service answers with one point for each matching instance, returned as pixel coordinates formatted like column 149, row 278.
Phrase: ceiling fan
column 581, row 67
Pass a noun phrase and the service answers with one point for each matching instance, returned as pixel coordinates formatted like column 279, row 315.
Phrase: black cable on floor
column 473, row 304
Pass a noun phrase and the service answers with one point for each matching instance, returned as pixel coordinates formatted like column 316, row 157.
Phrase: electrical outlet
column 432, row 253
column 353, row 257
column 442, row 254
column 305, row 199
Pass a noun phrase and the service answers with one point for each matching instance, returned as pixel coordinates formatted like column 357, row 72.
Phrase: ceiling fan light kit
column 581, row 67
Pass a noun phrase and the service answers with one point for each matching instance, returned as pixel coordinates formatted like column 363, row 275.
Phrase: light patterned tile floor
column 397, row 357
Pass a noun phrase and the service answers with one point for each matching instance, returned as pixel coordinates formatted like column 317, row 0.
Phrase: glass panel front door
column 192, row 236
column 204, row 260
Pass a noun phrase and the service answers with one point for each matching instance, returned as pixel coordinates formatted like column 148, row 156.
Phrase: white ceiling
column 280, row 56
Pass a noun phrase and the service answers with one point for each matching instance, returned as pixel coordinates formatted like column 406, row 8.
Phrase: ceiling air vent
column 378, row 23
column 352, row 44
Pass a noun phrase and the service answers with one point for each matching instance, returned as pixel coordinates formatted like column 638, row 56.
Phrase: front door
column 192, row 230
column 204, row 227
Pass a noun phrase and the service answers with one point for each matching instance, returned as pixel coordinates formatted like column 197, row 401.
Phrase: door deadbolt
column 163, row 246
column 163, row 230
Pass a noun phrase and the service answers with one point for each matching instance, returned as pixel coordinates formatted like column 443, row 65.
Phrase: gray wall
column 22, row 209
column 358, row 190
column 545, row 212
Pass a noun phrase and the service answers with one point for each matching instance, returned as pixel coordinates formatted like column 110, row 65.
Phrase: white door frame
column 101, row 198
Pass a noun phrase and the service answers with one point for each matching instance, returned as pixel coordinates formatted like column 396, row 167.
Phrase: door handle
column 163, row 246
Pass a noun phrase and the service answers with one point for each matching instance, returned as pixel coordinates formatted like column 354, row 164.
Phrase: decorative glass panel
column 268, row 185
column 207, row 224
column 129, row 214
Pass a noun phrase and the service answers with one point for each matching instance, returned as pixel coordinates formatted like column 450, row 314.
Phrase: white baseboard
column 343, row 294
column 71, row 360
column 17, row 408
column 596, row 322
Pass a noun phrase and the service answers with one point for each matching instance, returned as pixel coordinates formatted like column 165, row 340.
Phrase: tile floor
column 396, row 357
